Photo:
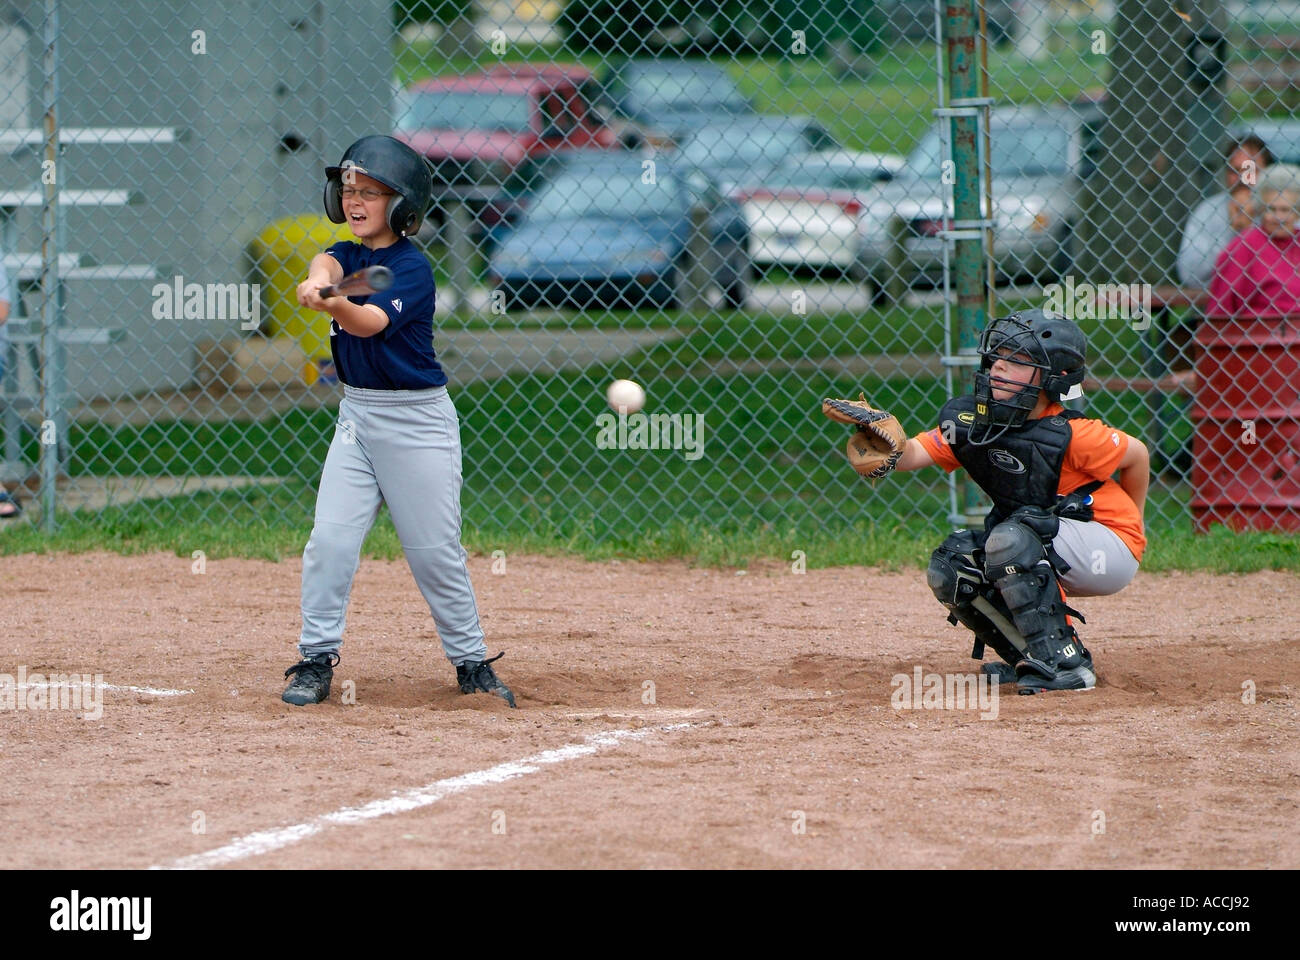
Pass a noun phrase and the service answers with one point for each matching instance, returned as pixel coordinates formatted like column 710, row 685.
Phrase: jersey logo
column 397, row 304
column 334, row 328
column 1114, row 438
column 1005, row 461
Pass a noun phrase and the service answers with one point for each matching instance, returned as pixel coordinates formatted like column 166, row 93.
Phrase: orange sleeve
column 938, row 449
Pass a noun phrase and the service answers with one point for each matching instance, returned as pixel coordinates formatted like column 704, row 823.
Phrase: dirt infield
column 669, row 717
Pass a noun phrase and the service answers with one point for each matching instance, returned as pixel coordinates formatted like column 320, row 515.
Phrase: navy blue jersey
column 399, row 357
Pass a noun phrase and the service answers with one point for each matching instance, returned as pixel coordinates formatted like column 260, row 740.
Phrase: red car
column 481, row 128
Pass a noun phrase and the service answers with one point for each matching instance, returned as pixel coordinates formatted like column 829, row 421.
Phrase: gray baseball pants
column 1100, row 563
column 402, row 448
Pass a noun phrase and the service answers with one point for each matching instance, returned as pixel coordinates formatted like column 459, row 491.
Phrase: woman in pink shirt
column 1258, row 274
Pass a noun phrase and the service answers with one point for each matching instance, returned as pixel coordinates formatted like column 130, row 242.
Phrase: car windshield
column 683, row 91
column 600, row 194
column 725, row 147
column 462, row 110
column 1018, row 151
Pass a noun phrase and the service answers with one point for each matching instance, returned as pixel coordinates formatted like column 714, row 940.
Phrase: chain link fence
column 743, row 207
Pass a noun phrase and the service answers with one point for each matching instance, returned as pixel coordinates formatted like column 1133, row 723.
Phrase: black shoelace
column 314, row 668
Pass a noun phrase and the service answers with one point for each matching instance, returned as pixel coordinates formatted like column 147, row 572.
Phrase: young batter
column 1060, row 525
column 398, row 436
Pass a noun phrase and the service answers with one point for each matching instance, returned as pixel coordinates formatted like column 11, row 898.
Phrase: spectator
column 1210, row 228
column 9, row 507
column 1243, row 211
column 1258, row 275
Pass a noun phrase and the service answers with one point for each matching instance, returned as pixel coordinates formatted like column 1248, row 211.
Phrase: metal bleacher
column 23, row 343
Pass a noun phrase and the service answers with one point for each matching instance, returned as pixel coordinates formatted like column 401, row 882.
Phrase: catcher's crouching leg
column 958, row 582
column 1015, row 561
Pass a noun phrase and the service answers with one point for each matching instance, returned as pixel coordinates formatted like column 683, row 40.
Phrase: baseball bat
column 360, row 284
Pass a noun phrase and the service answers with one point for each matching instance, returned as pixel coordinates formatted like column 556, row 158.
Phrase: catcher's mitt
column 877, row 444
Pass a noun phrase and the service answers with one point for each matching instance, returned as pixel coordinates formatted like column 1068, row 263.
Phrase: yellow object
column 281, row 254
column 320, row 369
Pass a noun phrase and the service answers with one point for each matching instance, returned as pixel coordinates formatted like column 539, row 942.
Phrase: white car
column 805, row 212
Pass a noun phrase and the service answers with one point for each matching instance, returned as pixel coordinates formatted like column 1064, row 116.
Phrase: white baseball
column 625, row 396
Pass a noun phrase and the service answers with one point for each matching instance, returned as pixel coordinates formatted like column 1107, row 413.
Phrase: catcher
column 1060, row 525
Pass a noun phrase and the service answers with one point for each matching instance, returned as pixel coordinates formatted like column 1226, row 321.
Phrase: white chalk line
column 151, row 691
column 654, row 713
column 265, row 841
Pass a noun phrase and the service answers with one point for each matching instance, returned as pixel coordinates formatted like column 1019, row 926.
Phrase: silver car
column 804, row 214
column 1038, row 165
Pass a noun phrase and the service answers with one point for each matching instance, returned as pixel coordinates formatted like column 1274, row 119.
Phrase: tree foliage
column 431, row 11
column 737, row 27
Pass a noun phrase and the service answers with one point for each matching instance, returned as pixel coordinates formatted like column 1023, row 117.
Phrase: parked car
column 805, row 213
column 1039, row 163
column 743, row 151
column 852, row 169
column 598, row 233
column 478, row 130
column 675, row 97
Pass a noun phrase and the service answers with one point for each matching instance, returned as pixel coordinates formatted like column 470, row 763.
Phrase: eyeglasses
column 366, row 193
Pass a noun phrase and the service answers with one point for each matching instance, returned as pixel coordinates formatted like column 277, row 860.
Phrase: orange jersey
column 1094, row 453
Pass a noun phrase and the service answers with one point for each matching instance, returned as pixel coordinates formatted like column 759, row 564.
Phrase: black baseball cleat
column 311, row 679
column 999, row 672
column 477, row 676
column 1078, row 675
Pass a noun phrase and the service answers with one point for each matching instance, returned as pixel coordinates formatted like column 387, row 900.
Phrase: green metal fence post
column 965, row 107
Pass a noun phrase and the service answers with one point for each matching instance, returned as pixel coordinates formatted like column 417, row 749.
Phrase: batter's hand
column 309, row 292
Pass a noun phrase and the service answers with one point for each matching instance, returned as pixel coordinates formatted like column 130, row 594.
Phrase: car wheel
column 1064, row 257
column 677, row 295
column 736, row 293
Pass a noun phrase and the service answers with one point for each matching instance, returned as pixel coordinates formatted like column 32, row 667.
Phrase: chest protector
column 1021, row 468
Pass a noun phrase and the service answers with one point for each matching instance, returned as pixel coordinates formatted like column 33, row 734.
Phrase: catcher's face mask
column 1013, row 340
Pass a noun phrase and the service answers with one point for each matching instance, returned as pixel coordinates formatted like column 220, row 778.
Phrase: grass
column 274, row 523
column 771, row 480
column 890, row 110
column 746, row 335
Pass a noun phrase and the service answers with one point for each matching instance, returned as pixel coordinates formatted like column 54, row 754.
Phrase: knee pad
column 1012, row 547
column 954, row 575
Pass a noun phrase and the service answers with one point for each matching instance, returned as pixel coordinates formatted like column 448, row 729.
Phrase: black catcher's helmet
column 1054, row 345
column 397, row 167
